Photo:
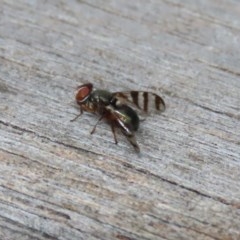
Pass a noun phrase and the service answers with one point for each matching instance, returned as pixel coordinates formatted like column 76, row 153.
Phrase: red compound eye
column 83, row 92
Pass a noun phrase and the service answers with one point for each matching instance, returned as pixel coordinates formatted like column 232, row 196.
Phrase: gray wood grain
column 59, row 182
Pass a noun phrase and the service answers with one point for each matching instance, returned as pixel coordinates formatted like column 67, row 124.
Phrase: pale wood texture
column 59, row 182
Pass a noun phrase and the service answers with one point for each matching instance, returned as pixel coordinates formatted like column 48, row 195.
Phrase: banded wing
column 145, row 101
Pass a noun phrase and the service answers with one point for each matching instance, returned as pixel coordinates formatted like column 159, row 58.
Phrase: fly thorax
column 101, row 97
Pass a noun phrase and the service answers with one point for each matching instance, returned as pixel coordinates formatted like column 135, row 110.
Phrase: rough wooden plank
column 59, row 182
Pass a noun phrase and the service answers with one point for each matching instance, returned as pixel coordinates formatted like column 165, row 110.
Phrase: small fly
column 120, row 109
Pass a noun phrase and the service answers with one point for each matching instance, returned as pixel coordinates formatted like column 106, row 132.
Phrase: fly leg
column 99, row 120
column 132, row 139
column 74, row 119
column 129, row 133
column 114, row 133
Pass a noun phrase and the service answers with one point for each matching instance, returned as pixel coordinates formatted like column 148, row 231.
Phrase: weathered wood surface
column 59, row 182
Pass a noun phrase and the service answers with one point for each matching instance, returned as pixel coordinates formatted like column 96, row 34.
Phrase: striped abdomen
column 142, row 100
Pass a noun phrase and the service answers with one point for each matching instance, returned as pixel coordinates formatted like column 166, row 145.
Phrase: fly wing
column 143, row 101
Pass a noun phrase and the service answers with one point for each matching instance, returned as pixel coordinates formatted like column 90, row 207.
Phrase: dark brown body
column 114, row 107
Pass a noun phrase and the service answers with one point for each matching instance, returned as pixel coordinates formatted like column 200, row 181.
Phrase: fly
column 120, row 109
